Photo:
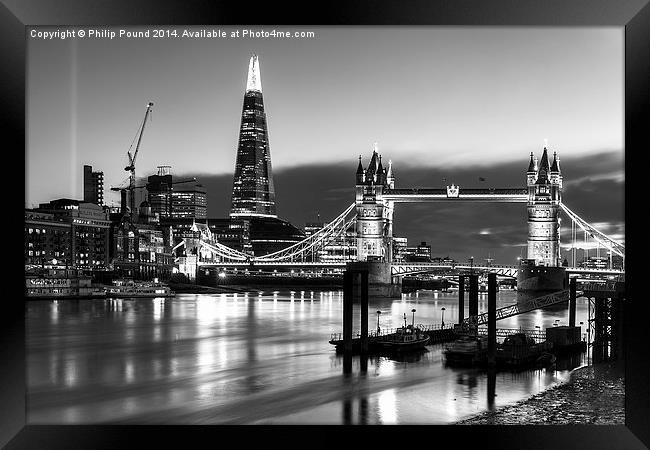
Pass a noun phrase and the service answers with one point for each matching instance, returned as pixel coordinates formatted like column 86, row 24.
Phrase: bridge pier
column 380, row 281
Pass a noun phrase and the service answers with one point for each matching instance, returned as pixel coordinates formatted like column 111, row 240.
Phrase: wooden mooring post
column 349, row 278
column 473, row 298
column 461, row 299
column 492, row 319
column 572, row 302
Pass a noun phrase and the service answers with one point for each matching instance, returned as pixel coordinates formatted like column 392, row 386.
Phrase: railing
column 537, row 335
column 388, row 331
column 519, row 308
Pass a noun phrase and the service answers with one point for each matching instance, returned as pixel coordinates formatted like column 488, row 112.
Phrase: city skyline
column 546, row 69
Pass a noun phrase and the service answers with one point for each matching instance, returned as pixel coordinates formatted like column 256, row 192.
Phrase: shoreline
column 593, row 395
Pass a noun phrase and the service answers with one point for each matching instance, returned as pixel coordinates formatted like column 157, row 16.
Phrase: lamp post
column 443, row 317
column 471, row 264
column 413, row 320
column 378, row 314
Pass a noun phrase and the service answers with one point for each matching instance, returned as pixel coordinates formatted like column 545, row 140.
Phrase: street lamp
column 443, row 317
column 378, row 314
column 413, row 320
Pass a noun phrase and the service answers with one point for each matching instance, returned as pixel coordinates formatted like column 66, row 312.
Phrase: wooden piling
column 364, row 310
column 473, row 295
column 347, row 311
column 492, row 319
column 572, row 302
column 461, row 299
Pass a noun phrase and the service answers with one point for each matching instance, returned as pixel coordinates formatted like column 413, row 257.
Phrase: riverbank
column 593, row 395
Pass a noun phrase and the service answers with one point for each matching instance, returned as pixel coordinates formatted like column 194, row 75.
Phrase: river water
column 256, row 358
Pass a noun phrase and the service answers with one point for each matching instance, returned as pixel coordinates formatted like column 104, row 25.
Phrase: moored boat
column 406, row 338
column 467, row 350
column 518, row 349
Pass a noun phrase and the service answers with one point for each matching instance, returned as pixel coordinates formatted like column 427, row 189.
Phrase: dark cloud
column 459, row 230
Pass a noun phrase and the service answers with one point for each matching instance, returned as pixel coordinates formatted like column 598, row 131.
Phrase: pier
column 518, row 346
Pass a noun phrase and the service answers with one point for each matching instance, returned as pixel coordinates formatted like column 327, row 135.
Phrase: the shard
column 252, row 193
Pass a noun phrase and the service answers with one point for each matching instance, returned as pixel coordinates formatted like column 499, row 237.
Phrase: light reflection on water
column 254, row 358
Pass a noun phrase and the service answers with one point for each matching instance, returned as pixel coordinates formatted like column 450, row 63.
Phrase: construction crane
column 131, row 167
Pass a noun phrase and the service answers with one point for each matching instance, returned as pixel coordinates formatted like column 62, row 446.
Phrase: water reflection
column 223, row 358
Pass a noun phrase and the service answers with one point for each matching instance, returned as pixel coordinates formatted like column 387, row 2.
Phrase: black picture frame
column 634, row 15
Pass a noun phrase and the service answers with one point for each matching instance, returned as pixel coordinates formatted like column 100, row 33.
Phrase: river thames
column 257, row 358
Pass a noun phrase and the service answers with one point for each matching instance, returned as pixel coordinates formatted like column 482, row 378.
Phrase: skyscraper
column 252, row 193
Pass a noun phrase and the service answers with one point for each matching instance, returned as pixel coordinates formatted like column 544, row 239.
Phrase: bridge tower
column 374, row 215
column 544, row 196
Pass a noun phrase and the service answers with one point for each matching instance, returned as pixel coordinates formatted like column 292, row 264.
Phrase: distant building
column 48, row 240
column 419, row 253
column 233, row 233
column 86, row 244
column 343, row 248
column 143, row 248
column 190, row 202
column 268, row 235
column 176, row 199
column 159, row 192
column 93, row 186
column 313, row 227
column 400, row 245
column 596, row 262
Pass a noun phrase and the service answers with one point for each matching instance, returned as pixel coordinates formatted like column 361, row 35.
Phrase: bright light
column 222, row 274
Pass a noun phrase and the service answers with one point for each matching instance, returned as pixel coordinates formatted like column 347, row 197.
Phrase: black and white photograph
column 325, row 225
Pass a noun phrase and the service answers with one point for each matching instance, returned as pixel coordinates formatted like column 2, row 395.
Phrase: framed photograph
column 369, row 214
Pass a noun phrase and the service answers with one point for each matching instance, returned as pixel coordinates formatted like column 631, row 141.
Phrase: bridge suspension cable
column 603, row 239
column 317, row 240
column 224, row 251
column 299, row 250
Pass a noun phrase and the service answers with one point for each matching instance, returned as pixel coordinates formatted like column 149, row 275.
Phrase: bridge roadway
column 406, row 195
column 401, row 269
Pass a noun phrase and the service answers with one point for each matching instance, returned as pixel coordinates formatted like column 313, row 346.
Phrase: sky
column 445, row 104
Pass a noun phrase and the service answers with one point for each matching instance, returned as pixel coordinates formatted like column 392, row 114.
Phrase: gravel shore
column 593, row 395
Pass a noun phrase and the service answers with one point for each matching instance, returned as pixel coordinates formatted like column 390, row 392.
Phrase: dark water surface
column 255, row 358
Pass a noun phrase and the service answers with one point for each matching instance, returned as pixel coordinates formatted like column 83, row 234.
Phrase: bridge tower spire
column 360, row 172
column 544, row 197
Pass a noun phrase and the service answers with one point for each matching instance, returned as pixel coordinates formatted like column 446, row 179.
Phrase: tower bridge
column 371, row 218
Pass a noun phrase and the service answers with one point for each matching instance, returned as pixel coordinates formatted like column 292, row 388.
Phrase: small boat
column 519, row 349
column 406, row 338
column 467, row 350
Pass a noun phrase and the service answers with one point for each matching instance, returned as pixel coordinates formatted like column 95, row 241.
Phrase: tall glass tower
column 252, row 192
